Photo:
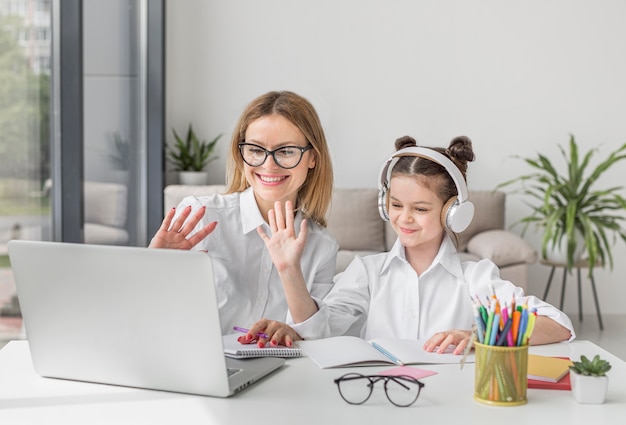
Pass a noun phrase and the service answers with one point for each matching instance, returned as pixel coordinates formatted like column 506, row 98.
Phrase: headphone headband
column 458, row 211
column 432, row 155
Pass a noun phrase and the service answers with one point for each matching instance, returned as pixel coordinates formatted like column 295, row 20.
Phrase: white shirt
column 385, row 292
column 248, row 286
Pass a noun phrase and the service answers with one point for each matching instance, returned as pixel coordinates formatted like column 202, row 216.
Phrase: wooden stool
column 579, row 265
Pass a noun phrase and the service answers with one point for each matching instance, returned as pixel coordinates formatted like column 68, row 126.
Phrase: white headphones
column 457, row 212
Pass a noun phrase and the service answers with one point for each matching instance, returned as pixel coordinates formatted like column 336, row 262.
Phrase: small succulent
column 595, row 367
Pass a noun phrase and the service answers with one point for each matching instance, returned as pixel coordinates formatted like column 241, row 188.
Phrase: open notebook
column 344, row 351
column 127, row 316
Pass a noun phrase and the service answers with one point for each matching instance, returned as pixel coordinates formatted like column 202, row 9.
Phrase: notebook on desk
column 128, row 316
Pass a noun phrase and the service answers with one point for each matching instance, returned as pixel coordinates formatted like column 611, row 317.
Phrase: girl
column 420, row 289
column 279, row 166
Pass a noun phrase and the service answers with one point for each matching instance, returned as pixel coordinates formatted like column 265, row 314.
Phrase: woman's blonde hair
column 315, row 194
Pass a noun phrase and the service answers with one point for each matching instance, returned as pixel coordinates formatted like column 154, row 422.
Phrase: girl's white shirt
column 248, row 286
column 381, row 295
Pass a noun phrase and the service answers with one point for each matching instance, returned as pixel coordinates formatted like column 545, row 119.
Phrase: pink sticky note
column 409, row 371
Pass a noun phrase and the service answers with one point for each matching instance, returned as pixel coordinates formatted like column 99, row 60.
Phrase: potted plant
column 190, row 156
column 120, row 157
column 588, row 379
column 569, row 210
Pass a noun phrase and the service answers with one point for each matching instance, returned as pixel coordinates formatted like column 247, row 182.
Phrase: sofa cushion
column 105, row 235
column 502, row 247
column 354, row 220
column 175, row 193
column 105, row 203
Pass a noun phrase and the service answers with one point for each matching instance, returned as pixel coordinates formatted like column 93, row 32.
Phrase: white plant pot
column 193, row 177
column 558, row 253
column 589, row 389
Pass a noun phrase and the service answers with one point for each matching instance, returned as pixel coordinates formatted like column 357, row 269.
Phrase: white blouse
column 381, row 295
column 248, row 286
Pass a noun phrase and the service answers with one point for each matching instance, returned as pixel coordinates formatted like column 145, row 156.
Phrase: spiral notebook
column 236, row 350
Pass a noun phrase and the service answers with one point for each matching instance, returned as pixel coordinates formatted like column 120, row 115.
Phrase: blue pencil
column 480, row 325
column 494, row 329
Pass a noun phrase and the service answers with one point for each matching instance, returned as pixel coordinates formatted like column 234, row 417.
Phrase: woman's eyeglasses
column 286, row 157
column 401, row 390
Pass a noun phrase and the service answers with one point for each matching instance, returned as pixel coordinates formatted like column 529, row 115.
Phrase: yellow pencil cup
column 500, row 377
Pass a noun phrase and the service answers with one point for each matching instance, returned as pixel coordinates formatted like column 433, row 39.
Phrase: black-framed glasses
column 401, row 390
column 285, row 157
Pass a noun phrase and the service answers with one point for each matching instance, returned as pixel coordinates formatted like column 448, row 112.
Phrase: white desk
column 299, row 393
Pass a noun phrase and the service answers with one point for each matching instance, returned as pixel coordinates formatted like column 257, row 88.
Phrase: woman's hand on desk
column 278, row 333
column 443, row 340
column 174, row 234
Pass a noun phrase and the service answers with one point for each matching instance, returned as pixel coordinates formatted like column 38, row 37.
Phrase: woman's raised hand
column 284, row 247
column 173, row 235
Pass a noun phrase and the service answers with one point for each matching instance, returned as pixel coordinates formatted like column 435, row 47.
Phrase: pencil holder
column 501, row 375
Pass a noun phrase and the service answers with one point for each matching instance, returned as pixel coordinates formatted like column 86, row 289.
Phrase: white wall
column 516, row 77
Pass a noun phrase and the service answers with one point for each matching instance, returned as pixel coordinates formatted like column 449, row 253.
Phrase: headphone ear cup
column 445, row 211
column 457, row 216
column 382, row 203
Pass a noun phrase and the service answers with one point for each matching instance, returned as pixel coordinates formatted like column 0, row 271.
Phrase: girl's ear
column 312, row 160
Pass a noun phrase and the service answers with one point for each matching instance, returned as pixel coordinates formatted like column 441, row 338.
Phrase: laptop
column 128, row 316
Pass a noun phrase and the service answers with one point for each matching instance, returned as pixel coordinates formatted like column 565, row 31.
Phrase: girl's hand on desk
column 174, row 235
column 278, row 333
column 443, row 340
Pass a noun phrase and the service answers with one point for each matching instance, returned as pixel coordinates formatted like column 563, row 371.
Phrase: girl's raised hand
column 173, row 235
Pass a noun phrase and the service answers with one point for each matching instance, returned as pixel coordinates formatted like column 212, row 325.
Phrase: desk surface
column 299, row 393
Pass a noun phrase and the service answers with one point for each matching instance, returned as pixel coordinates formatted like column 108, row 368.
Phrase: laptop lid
column 127, row 316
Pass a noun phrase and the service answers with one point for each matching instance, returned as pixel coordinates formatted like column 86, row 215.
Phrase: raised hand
column 173, row 235
column 284, row 247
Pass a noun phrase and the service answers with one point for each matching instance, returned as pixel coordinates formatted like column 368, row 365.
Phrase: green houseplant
column 588, row 379
column 191, row 154
column 569, row 210
column 120, row 152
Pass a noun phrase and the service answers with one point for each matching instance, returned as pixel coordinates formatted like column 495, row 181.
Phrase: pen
column 523, row 323
column 502, row 338
column 245, row 331
column 488, row 328
column 388, row 354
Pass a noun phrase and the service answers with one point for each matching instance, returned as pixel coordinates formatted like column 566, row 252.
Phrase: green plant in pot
column 588, row 379
column 568, row 208
column 190, row 154
column 120, row 152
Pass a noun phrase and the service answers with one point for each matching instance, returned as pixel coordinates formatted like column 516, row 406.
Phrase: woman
column 278, row 167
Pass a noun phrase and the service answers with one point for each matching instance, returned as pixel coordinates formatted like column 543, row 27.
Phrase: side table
column 579, row 265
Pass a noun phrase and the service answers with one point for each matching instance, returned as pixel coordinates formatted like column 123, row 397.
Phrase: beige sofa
column 106, row 206
column 355, row 223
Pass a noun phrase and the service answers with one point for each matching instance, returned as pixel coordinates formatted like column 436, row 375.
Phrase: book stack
column 547, row 372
